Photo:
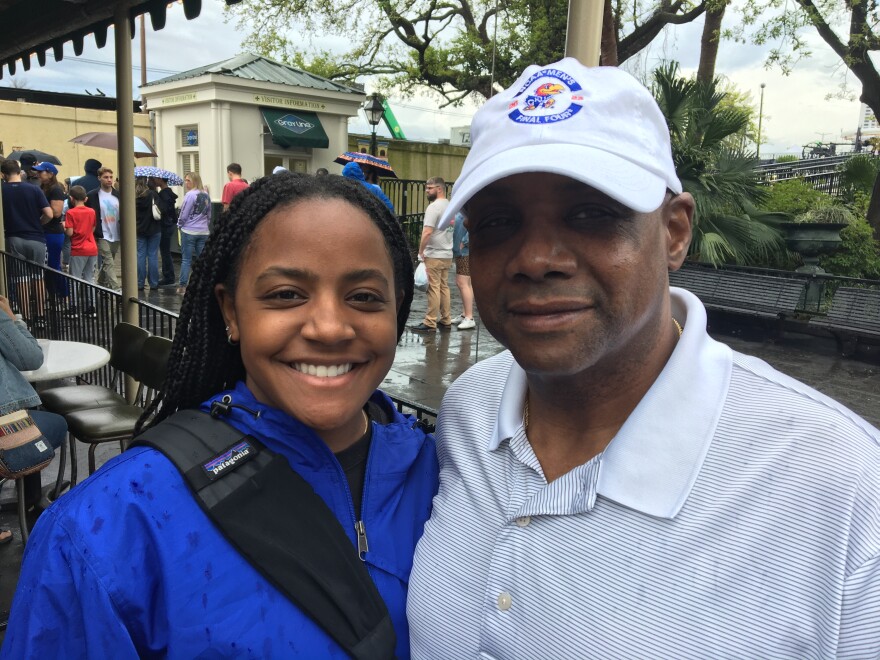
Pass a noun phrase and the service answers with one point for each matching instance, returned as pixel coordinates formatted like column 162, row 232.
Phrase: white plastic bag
column 421, row 277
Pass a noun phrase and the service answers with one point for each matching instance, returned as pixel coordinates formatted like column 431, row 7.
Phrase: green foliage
column 787, row 158
column 836, row 213
column 795, row 197
column 858, row 254
column 857, row 176
column 448, row 47
column 728, row 227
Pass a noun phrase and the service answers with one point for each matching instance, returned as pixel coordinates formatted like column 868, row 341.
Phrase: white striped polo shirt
column 736, row 514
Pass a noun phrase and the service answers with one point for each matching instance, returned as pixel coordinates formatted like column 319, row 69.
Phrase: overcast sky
column 796, row 111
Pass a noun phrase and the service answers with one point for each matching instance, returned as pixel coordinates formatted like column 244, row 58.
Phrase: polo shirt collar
column 653, row 462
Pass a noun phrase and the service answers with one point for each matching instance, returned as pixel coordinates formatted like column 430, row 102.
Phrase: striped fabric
column 735, row 515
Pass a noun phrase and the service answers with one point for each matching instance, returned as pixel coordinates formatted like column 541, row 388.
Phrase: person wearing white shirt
column 618, row 484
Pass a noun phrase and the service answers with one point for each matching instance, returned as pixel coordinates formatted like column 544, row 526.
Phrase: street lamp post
column 374, row 110
column 760, row 119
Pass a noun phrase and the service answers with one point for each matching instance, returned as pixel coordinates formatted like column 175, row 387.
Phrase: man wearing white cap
column 618, row 484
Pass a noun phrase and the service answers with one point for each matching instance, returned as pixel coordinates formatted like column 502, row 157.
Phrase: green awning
column 295, row 128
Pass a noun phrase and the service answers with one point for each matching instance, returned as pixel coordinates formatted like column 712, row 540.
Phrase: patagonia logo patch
column 547, row 97
column 239, row 453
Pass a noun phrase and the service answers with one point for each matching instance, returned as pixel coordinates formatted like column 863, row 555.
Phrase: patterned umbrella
column 366, row 159
column 148, row 170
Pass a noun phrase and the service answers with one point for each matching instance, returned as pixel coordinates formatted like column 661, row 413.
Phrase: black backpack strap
column 274, row 518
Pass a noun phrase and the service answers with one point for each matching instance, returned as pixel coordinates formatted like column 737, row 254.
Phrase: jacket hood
column 353, row 171
column 92, row 166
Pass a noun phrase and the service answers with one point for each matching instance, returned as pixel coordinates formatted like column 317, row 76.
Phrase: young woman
column 148, row 217
column 195, row 214
column 293, row 312
column 54, row 229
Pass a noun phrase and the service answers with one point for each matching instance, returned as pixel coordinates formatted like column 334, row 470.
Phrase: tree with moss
column 456, row 48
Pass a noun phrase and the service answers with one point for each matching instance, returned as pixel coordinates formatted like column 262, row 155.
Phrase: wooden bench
column 741, row 293
column 854, row 315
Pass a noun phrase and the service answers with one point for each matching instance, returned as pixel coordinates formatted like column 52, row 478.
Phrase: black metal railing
column 58, row 306
column 408, row 195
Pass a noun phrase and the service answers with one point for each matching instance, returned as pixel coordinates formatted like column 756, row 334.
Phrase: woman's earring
column 229, row 338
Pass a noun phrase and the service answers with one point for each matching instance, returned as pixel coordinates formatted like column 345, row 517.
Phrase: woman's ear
column 226, row 301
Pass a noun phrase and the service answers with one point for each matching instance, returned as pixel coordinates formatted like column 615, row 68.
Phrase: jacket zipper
column 359, row 527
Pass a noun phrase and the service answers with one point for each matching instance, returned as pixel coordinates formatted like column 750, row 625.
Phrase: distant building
column 460, row 135
column 249, row 110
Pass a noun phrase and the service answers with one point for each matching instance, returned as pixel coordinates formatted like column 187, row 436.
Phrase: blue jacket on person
column 127, row 565
column 19, row 351
column 354, row 171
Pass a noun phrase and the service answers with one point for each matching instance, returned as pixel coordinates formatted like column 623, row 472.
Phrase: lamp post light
column 760, row 118
column 374, row 110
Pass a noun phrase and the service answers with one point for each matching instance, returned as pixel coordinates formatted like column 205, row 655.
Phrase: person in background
column 235, row 185
column 104, row 201
column 19, row 351
column 54, row 229
column 292, row 317
column 28, row 161
column 148, row 217
column 167, row 204
column 25, row 211
column 79, row 225
column 90, row 179
column 193, row 221
column 435, row 249
column 460, row 252
column 354, row 171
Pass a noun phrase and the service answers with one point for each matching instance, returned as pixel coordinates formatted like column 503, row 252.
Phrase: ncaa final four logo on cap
column 549, row 96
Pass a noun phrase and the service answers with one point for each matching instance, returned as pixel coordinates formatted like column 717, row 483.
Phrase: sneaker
column 91, row 313
column 72, row 313
column 445, row 327
column 467, row 324
column 421, row 327
column 458, row 319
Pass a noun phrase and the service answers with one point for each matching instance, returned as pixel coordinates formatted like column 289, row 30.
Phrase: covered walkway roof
column 29, row 27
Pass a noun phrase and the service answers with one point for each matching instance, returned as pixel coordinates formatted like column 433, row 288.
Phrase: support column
column 583, row 39
column 125, row 137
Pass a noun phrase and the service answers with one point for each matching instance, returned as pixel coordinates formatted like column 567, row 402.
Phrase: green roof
column 262, row 69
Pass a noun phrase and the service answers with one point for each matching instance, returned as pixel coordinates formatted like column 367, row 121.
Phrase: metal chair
column 124, row 356
column 116, row 423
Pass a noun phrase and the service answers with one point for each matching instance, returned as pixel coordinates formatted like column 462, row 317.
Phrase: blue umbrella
column 148, row 170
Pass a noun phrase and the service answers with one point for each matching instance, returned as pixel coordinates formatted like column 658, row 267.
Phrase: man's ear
column 227, row 308
column 679, row 212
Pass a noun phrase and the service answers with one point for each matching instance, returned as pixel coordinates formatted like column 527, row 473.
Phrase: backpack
column 238, row 483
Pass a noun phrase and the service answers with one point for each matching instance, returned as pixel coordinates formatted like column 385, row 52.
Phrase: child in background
column 79, row 224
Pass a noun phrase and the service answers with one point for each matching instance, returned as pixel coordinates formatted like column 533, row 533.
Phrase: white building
column 248, row 110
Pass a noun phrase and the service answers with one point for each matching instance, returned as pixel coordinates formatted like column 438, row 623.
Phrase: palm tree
column 728, row 225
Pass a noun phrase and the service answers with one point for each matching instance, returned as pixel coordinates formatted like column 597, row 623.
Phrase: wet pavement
column 426, row 365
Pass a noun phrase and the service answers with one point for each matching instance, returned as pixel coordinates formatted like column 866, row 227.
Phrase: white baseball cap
column 598, row 125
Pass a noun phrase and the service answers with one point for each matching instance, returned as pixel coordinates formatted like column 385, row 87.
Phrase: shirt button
column 523, row 522
column 504, row 601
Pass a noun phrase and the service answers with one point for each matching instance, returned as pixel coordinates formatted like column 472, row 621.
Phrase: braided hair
column 202, row 363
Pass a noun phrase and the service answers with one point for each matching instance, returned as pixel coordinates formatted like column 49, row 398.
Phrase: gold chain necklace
column 526, row 406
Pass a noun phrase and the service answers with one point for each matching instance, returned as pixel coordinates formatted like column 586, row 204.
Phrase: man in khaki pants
column 435, row 249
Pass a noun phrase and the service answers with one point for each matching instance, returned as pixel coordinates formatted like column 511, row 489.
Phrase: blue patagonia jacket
column 354, row 171
column 127, row 565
